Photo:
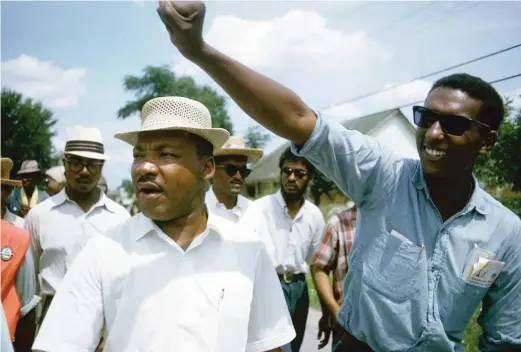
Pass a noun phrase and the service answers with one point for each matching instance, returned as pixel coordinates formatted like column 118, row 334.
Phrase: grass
column 472, row 332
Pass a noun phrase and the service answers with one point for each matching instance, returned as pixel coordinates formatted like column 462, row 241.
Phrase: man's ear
column 209, row 168
column 488, row 142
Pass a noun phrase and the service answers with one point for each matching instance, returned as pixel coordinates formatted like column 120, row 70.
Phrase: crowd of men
column 203, row 268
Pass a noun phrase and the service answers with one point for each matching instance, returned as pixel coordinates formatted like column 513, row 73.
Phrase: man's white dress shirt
column 295, row 239
column 148, row 294
column 59, row 229
column 245, row 212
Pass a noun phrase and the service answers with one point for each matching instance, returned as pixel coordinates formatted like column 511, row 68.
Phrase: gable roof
column 267, row 169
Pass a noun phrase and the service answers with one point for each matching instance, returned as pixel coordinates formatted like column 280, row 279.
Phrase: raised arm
column 272, row 105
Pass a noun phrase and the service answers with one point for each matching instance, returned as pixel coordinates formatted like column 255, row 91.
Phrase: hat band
column 84, row 146
column 234, row 146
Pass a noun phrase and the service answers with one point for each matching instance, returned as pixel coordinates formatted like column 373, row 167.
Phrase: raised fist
column 184, row 22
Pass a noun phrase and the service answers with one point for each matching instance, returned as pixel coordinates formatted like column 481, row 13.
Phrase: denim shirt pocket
column 392, row 267
column 460, row 305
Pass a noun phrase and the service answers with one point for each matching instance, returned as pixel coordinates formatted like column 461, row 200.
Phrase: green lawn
column 472, row 332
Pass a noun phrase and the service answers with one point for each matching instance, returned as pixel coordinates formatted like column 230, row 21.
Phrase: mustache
column 147, row 179
column 88, row 179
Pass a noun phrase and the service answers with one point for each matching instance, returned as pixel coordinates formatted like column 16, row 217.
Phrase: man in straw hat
column 18, row 274
column 7, row 189
column 61, row 225
column 26, row 197
column 55, row 180
column 431, row 245
column 224, row 197
column 174, row 277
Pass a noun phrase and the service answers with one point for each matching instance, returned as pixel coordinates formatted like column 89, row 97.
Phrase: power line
column 403, row 18
column 366, row 95
column 491, row 82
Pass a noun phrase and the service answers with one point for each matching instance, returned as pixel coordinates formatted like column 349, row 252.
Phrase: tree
column 27, row 129
column 502, row 165
column 159, row 81
column 256, row 137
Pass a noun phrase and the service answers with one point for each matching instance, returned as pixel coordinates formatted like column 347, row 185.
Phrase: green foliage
column 502, row 165
column 27, row 129
column 126, row 186
column 256, row 137
column 159, row 81
column 322, row 185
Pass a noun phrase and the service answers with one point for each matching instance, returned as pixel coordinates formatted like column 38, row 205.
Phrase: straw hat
column 28, row 167
column 6, row 166
column 86, row 142
column 236, row 146
column 177, row 114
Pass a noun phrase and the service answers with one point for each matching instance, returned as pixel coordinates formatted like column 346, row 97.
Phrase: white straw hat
column 177, row 113
column 86, row 142
column 236, row 146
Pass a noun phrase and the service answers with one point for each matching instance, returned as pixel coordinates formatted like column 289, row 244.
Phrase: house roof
column 267, row 169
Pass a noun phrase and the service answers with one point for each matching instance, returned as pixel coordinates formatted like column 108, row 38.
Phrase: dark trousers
column 297, row 299
column 345, row 342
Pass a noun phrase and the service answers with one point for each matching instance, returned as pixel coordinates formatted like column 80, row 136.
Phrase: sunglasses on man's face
column 299, row 173
column 455, row 125
column 231, row 170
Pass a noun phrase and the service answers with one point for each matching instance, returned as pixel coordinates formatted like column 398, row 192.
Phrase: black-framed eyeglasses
column 231, row 170
column 455, row 125
column 299, row 173
column 76, row 165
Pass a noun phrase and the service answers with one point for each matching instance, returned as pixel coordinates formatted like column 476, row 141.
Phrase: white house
column 391, row 128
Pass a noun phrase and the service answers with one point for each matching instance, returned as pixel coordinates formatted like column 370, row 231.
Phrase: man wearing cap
column 55, row 180
column 224, row 197
column 18, row 274
column 175, row 277
column 61, row 225
column 26, row 197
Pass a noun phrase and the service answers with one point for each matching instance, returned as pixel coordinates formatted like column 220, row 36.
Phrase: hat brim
column 253, row 155
column 28, row 171
column 14, row 183
column 216, row 136
column 89, row 155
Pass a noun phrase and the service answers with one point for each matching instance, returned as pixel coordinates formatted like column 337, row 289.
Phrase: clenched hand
column 184, row 22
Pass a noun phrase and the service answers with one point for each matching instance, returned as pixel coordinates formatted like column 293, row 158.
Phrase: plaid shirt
column 333, row 252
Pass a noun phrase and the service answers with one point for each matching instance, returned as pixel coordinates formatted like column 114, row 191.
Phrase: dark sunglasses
column 455, row 125
column 299, row 173
column 231, row 170
column 75, row 165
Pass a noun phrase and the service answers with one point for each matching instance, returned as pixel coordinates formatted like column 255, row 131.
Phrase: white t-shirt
column 148, row 294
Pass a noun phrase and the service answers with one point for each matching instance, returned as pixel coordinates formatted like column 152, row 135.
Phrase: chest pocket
column 393, row 267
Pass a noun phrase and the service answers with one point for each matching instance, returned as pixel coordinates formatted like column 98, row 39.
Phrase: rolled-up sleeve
column 501, row 313
column 358, row 164
column 74, row 321
column 26, row 284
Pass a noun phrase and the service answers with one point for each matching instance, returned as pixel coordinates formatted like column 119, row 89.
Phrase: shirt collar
column 142, row 226
column 476, row 201
column 242, row 202
column 62, row 197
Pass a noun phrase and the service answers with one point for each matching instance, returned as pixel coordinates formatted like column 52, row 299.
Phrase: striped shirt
column 333, row 252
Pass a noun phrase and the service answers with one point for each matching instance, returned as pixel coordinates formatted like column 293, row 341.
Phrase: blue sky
column 73, row 55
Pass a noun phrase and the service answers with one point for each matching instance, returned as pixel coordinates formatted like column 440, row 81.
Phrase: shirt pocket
column 460, row 305
column 392, row 267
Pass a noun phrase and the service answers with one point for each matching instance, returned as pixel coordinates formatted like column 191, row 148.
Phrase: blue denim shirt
column 407, row 291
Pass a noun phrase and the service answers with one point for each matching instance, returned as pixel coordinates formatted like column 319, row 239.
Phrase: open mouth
column 434, row 153
column 149, row 189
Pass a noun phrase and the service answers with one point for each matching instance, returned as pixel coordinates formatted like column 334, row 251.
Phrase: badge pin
column 6, row 253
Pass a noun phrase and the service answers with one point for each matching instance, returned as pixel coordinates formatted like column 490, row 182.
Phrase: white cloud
column 297, row 40
column 43, row 80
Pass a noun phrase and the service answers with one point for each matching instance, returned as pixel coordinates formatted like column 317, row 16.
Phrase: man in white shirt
column 174, row 277
column 296, row 226
column 61, row 225
column 224, row 197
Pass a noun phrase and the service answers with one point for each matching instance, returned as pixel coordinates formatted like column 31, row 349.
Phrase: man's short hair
column 492, row 110
column 202, row 146
column 289, row 156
